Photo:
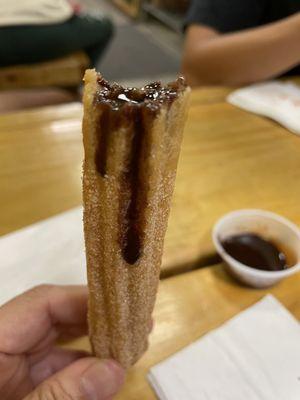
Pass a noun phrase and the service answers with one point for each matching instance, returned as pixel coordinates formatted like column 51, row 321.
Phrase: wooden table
column 190, row 305
column 230, row 159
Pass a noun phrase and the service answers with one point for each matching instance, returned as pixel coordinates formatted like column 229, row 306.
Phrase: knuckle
column 3, row 360
column 43, row 288
column 37, row 292
column 54, row 390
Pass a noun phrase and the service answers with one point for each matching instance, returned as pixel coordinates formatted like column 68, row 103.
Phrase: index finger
column 35, row 316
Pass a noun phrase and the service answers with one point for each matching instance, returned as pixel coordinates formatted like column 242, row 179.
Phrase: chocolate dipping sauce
column 256, row 252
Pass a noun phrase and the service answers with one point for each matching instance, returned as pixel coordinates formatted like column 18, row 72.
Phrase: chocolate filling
column 131, row 218
column 151, row 96
column 135, row 109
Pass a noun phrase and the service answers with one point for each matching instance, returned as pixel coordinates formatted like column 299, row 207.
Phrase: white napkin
column 277, row 100
column 254, row 356
column 50, row 251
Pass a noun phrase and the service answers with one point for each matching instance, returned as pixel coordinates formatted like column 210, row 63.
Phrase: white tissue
column 279, row 101
column 254, row 356
column 50, row 251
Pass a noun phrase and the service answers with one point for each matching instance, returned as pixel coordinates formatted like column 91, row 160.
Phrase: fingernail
column 101, row 380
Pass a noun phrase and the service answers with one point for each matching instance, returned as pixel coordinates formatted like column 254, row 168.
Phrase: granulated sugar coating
column 131, row 147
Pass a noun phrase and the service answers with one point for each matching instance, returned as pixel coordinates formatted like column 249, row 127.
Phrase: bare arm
column 242, row 57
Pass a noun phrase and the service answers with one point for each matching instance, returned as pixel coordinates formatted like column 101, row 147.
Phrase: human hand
column 32, row 367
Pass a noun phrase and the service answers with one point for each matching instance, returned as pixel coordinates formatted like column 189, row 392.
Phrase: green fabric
column 35, row 43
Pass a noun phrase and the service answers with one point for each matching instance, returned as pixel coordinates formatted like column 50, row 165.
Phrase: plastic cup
column 271, row 227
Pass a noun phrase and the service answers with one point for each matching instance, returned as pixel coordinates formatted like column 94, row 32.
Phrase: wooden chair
column 66, row 72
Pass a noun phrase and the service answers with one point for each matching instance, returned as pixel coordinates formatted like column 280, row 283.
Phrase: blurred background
column 146, row 45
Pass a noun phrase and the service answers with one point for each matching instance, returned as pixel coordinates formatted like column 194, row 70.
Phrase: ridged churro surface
column 131, row 140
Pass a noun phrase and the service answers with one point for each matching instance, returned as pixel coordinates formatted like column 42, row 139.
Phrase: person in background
column 33, row 31
column 33, row 367
column 237, row 42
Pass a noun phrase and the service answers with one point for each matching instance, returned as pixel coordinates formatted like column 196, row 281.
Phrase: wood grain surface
column 230, row 159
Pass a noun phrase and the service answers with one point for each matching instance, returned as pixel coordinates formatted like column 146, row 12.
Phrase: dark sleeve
column 226, row 15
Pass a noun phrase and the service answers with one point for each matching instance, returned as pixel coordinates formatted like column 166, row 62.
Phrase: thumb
column 85, row 379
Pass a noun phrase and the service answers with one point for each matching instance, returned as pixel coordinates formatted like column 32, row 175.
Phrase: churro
column 132, row 141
